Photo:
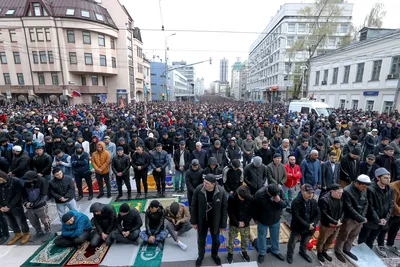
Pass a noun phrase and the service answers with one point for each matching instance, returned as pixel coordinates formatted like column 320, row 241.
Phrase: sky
column 218, row 28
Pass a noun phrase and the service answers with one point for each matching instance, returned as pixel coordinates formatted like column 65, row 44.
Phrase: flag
column 76, row 94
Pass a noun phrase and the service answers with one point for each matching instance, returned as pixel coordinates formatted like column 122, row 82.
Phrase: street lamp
column 166, row 63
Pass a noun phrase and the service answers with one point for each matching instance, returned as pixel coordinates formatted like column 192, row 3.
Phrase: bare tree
column 375, row 16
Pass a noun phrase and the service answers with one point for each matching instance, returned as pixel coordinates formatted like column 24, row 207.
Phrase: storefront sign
column 371, row 93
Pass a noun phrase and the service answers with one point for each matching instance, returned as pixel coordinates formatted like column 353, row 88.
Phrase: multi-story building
column 157, row 77
column 199, row 87
column 187, row 71
column 223, row 70
column 243, row 82
column 239, row 78
column 363, row 75
column 178, row 86
column 269, row 60
column 147, row 78
column 50, row 49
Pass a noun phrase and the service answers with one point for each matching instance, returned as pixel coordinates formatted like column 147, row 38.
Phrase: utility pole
column 166, row 65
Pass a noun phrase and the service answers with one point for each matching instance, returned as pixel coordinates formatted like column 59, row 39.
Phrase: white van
column 307, row 106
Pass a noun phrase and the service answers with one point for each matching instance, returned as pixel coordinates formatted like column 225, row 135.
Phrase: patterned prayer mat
column 184, row 201
column 312, row 244
column 49, row 255
column 224, row 239
column 152, row 186
column 149, row 256
column 137, row 204
column 284, row 233
column 88, row 256
column 96, row 190
column 164, row 202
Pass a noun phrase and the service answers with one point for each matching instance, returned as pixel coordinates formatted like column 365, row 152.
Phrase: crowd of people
column 242, row 163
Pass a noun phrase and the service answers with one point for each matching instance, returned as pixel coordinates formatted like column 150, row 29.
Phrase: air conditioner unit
column 390, row 77
column 323, row 82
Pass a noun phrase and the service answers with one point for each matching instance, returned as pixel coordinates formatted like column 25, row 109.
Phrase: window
column 360, row 72
column 48, row 35
column 71, row 36
column 43, row 57
column 325, row 80
column 102, row 41
column 40, row 35
column 41, row 78
column 20, row 77
column 70, row 12
column 344, row 28
column 290, row 41
column 95, row 80
column 85, row 13
column 370, row 105
column 139, row 52
column 395, row 67
column 35, row 57
column 32, row 34
column 387, row 106
column 83, row 80
column 99, row 17
column 88, row 59
column 13, row 35
column 103, row 60
column 291, row 27
column 140, row 68
column 335, row 75
column 331, row 41
column 114, row 62
column 129, row 43
column 346, row 74
column 7, row 79
column 51, row 57
column 104, row 80
column 54, row 78
column 376, row 70
column 130, row 52
column 36, row 9
column 302, row 27
column 17, row 58
column 112, row 43
column 86, row 38
column 342, row 103
column 354, row 104
column 317, row 73
column 72, row 58
column 3, row 57
column 10, row 12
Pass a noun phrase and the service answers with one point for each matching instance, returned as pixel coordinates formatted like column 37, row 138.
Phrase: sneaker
column 158, row 194
column 229, row 259
column 381, row 251
column 138, row 195
column 182, row 245
column 340, row 257
column 199, row 261
column 289, row 259
column 117, row 198
column 90, row 198
column 100, row 195
column 351, row 255
column 37, row 236
column 170, row 172
column 169, row 236
column 244, row 255
column 393, row 249
column 326, row 256
column 217, row 260
column 3, row 239
column 320, row 257
column 46, row 236
column 79, row 198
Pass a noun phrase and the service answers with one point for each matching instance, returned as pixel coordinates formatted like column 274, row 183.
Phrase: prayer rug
column 149, row 256
column 312, row 244
column 88, row 256
column 284, row 233
column 137, row 204
column 49, row 255
column 164, row 202
column 96, row 190
column 152, row 186
column 184, row 201
column 224, row 239
column 120, row 255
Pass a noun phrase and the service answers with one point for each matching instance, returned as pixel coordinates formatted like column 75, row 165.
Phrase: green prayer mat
column 49, row 255
column 138, row 204
column 149, row 255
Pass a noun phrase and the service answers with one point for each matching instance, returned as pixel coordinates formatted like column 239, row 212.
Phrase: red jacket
column 293, row 175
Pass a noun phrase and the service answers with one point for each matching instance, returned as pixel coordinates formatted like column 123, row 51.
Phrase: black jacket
column 349, row 172
column 154, row 221
column 389, row 164
column 142, row 160
column 381, row 204
column 232, row 179
column 265, row 154
column 371, row 173
column 254, row 177
column 191, row 144
column 193, row 179
column 201, row 156
column 186, row 156
column 121, row 164
column 130, row 222
column 219, row 154
column 42, row 164
column 219, row 210
column 106, row 221
column 11, row 193
column 20, row 164
column 265, row 210
column 36, row 193
column 326, row 204
column 355, row 203
column 239, row 210
column 62, row 188
column 299, row 223
column 328, row 176
column 167, row 145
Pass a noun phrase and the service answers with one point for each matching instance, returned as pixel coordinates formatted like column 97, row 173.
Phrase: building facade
column 178, row 84
column 187, row 71
column 49, row 51
column 157, row 81
column 268, row 58
column 239, row 80
column 223, row 70
column 363, row 75
column 199, row 87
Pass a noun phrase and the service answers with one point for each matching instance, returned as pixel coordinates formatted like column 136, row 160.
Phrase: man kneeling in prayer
column 178, row 217
column 76, row 228
column 128, row 225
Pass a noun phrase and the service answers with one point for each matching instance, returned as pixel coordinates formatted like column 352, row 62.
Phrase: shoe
column 138, row 195
column 158, row 194
column 90, row 198
column 117, row 198
column 320, row 257
column 37, row 236
column 79, row 198
column 305, row 256
column 326, row 256
column 381, row 251
column 3, row 239
column 340, row 257
column 182, row 245
column 100, row 195
column 229, row 259
column 129, row 196
column 260, row 258
column 268, row 249
column 392, row 249
column 145, row 195
column 245, row 256
column 136, row 243
column 108, row 195
column 16, row 237
column 217, row 260
column 163, row 194
column 199, row 261
column 289, row 259
column 170, row 172
column 351, row 255
column 46, row 236
column 25, row 238
column 279, row 256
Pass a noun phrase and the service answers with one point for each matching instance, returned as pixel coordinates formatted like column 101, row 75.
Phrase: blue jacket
column 311, row 171
column 159, row 160
column 81, row 223
column 80, row 163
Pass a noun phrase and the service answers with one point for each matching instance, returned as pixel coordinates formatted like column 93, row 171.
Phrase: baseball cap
column 307, row 188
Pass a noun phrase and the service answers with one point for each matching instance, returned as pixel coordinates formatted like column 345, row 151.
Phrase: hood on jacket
column 30, row 176
column 212, row 161
column 77, row 146
column 103, row 145
column 95, row 139
column 96, row 207
column 19, row 137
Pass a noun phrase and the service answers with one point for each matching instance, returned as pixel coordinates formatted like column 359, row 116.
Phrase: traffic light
column 163, row 96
